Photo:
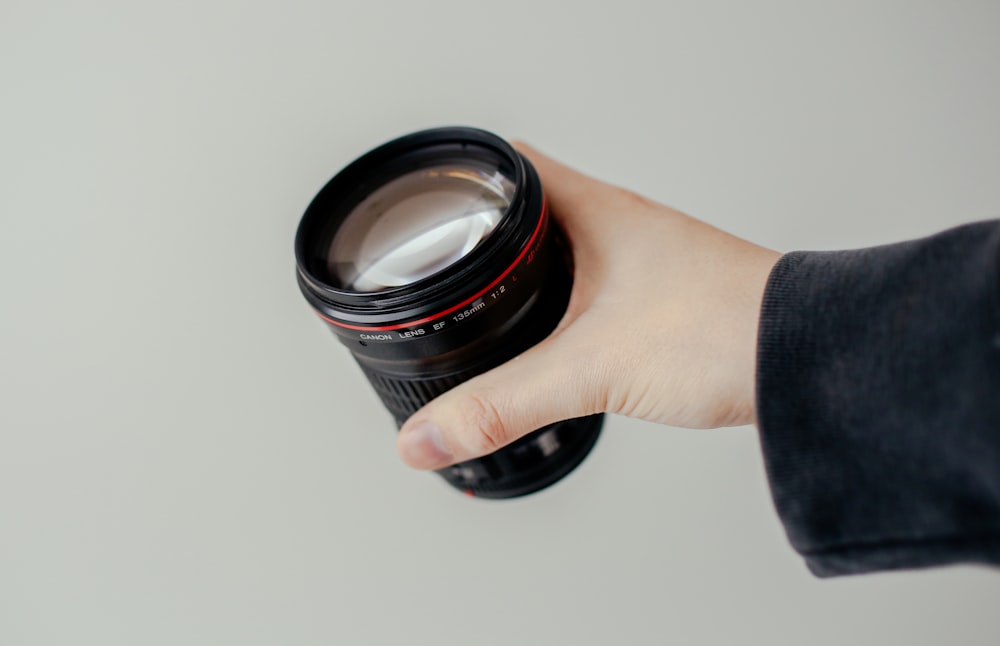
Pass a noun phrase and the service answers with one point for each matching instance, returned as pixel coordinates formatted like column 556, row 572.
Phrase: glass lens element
column 418, row 224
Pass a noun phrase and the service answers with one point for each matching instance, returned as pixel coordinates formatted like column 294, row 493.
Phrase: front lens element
column 418, row 224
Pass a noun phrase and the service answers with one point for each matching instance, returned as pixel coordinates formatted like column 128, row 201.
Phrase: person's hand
column 661, row 325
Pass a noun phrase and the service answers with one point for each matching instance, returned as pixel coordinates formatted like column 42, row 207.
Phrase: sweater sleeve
column 878, row 399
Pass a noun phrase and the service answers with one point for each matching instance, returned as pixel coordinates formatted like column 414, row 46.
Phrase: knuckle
column 584, row 377
column 606, row 377
column 484, row 425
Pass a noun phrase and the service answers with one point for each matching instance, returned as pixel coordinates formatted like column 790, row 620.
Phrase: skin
column 678, row 299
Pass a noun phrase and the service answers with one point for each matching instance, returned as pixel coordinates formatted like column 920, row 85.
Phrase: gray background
column 186, row 456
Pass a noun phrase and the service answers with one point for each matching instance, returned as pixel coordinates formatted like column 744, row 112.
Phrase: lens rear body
column 447, row 296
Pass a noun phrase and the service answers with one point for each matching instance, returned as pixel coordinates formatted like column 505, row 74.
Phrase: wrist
column 753, row 279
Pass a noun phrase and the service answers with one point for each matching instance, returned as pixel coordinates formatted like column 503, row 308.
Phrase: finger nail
column 421, row 446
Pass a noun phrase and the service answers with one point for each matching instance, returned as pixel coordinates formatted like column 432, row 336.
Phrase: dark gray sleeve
column 878, row 402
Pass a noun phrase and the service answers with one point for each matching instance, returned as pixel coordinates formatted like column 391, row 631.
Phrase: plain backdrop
column 187, row 456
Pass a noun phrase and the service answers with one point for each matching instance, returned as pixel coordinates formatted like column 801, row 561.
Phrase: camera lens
column 433, row 259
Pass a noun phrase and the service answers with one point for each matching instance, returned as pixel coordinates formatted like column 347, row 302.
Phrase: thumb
column 546, row 384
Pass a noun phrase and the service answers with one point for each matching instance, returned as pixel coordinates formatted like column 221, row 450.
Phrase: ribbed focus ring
column 403, row 397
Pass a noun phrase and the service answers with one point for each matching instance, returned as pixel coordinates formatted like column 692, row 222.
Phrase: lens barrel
column 486, row 302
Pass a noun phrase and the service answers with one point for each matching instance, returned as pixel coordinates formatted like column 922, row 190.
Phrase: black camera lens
column 433, row 259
